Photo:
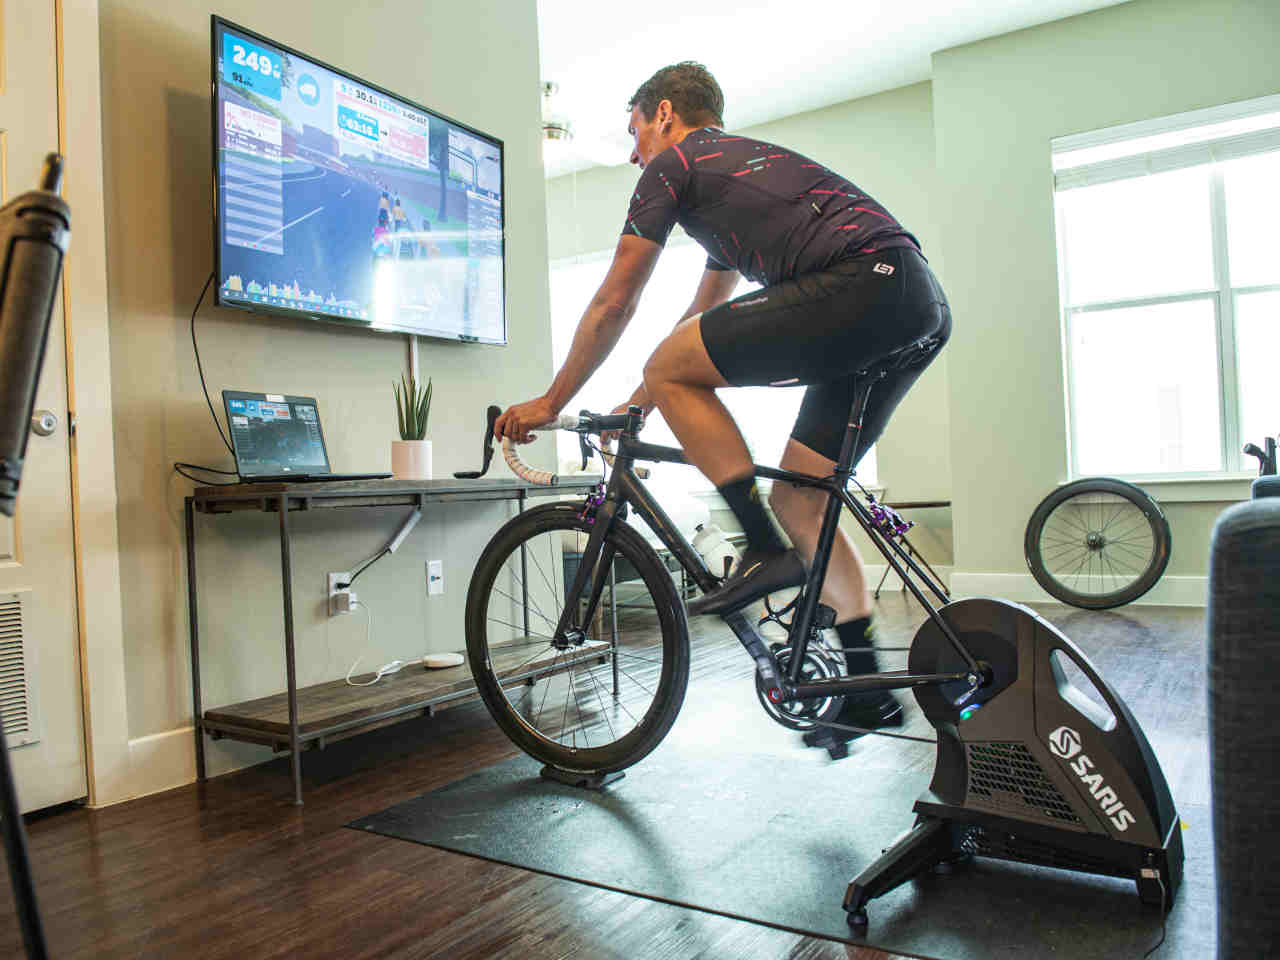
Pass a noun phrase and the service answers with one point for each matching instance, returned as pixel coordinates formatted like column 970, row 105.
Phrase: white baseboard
column 161, row 762
column 1022, row 588
column 166, row 760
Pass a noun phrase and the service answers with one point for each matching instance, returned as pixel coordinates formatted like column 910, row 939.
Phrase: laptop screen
column 274, row 434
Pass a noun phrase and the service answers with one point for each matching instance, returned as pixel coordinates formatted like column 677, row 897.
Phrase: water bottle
column 714, row 548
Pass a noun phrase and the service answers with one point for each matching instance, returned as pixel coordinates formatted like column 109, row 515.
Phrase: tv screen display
column 338, row 200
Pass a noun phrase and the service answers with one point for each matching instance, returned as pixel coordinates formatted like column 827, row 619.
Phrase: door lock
column 43, row 423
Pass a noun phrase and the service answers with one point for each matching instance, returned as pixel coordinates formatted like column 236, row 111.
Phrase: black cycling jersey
column 758, row 208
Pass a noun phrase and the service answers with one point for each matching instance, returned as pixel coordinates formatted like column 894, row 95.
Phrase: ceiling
column 769, row 65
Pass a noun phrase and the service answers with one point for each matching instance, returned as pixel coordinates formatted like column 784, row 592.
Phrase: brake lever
column 583, row 446
column 493, row 414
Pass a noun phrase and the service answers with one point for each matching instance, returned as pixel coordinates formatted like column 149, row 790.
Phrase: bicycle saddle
column 910, row 355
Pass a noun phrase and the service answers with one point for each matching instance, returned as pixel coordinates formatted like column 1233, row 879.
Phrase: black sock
column 743, row 498
column 856, row 637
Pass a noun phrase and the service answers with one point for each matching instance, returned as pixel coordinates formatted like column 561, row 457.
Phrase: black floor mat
column 773, row 833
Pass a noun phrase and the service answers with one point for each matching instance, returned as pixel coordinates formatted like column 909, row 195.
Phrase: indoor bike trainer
column 1029, row 767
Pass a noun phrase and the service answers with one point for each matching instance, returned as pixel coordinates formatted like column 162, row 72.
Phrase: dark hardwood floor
column 232, row 869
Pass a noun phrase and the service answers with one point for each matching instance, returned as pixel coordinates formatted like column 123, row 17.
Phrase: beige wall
column 996, row 106
column 156, row 136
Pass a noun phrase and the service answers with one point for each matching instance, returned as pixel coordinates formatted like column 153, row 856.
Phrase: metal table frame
column 284, row 498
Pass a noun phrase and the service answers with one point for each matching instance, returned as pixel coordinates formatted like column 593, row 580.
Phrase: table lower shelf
column 331, row 711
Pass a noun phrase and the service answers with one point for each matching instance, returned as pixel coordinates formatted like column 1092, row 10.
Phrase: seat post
column 862, row 385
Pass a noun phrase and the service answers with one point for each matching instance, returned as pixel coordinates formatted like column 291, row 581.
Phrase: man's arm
column 606, row 317
column 715, row 287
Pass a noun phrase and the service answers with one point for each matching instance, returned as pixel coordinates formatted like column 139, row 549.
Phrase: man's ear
column 666, row 115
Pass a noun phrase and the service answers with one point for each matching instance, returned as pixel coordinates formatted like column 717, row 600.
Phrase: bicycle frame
column 626, row 489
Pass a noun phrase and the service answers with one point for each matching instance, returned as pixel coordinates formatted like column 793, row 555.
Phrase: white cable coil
column 546, row 478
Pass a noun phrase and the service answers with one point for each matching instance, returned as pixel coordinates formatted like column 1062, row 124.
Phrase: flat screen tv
column 337, row 200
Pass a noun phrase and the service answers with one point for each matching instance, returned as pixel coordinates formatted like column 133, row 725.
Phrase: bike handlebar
column 586, row 423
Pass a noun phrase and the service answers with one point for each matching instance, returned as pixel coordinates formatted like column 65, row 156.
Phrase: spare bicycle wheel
column 1097, row 543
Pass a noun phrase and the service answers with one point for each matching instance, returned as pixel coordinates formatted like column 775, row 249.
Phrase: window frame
column 1213, row 153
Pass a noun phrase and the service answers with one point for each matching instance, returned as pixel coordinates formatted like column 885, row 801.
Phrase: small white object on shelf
column 434, row 661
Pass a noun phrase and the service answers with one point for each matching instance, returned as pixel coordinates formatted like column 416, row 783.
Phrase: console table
column 299, row 719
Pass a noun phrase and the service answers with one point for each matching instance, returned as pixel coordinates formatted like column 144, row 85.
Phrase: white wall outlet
column 333, row 591
column 435, row 577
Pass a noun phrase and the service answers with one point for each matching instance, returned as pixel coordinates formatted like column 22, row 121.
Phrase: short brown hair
column 692, row 90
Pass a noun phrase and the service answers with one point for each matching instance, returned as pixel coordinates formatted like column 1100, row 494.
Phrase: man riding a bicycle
column 844, row 285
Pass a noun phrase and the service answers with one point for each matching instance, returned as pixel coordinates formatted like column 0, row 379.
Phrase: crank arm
column 864, row 683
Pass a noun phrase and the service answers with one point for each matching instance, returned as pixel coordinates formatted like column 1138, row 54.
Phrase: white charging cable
column 387, row 668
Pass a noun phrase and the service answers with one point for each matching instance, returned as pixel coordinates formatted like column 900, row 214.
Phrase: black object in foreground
column 35, row 230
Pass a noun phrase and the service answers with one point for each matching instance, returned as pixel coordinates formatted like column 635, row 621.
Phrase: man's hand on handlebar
column 610, row 437
column 517, row 422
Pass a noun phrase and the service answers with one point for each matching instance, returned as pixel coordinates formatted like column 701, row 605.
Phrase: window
column 1169, row 270
column 764, row 414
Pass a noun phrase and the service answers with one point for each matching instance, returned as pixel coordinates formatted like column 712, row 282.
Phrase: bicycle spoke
column 524, row 590
column 1118, row 512
column 1117, row 560
column 635, row 681
column 535, row 607
column 1073, row 521
column 603, row 710
column 520, row 632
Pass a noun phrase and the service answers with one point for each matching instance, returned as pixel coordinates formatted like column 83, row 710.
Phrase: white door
column 39, row 648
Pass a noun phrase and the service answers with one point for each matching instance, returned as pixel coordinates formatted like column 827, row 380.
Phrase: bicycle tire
column 1079, row 543
column 672, row 677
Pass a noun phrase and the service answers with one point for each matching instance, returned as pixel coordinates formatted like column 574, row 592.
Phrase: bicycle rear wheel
column 580, row 702
column 1097, row 543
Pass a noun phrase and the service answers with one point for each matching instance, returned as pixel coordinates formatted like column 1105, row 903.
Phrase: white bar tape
column 523, row 470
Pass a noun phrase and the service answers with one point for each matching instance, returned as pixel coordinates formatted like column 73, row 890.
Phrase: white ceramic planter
column 411, row 459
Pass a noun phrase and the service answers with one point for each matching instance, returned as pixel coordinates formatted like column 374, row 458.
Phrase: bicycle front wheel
column 600, row 696
column 1097, row 543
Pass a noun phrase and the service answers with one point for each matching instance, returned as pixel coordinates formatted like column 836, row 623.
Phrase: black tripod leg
column 15, row 848
column 924, row 845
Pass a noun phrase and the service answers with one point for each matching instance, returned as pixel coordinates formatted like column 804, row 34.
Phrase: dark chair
column 1244, row 737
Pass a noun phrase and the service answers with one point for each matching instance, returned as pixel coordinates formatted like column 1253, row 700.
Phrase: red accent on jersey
column 676, row 148
column 874, row 214
column 851, row 226
column 741, row 172
column 708, row 156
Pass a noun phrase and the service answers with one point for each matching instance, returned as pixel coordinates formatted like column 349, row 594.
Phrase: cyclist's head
column 683, row 95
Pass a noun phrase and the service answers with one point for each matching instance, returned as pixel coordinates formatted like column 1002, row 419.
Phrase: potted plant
column 411, row 455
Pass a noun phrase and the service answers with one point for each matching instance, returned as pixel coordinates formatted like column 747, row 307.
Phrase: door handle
column 44, row 422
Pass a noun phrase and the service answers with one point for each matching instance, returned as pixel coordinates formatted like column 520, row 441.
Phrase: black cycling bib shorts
column 820, row 328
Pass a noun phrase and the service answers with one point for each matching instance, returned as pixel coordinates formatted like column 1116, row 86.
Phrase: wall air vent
column 16, row 711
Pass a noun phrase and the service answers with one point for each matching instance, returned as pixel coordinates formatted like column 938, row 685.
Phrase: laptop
column 278, row 437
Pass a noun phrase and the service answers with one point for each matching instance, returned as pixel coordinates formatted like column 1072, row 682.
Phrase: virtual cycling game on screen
column 341, row 201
